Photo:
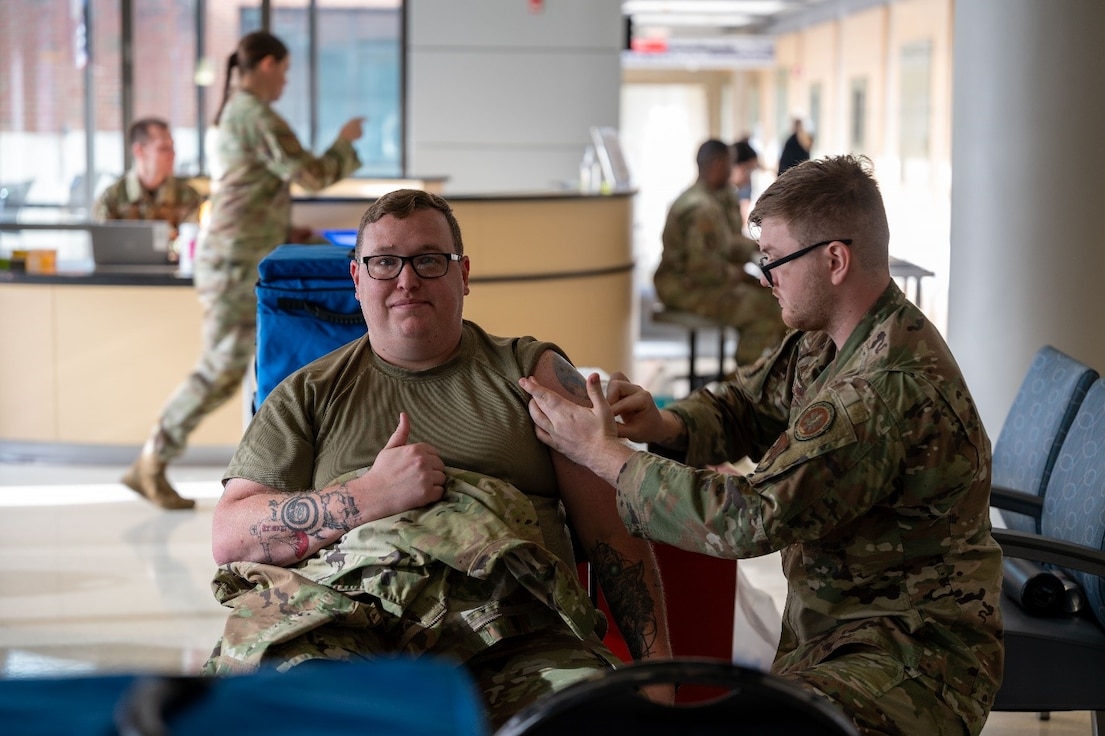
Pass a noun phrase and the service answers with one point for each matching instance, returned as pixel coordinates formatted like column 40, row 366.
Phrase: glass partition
column 359, row 74
column 50, row 61
column 165, row 68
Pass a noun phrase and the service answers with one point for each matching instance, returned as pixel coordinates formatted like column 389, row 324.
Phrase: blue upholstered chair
column 1058, row 662
column 1025, row 451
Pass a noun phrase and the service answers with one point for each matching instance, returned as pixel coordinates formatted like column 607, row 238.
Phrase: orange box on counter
column 42, row 261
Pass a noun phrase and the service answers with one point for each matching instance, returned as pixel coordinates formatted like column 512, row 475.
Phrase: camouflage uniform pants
column 226, row 293
column 516, row 672
column 511, row 674
column 883, row 697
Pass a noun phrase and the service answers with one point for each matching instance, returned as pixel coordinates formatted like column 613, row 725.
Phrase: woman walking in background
column 259, row 157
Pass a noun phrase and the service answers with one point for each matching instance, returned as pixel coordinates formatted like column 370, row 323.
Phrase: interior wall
column 501, row 96
column 1027, row 197
column 863, row 43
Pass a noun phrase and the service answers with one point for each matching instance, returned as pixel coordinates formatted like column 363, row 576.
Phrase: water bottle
column 587, row 168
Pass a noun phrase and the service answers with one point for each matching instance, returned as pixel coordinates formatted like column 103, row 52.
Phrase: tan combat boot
column 146, row 477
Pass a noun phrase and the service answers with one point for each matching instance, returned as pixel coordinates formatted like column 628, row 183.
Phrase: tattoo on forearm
column 624, row 586
column 300, row 513
column 293, row 522
column 569, row 377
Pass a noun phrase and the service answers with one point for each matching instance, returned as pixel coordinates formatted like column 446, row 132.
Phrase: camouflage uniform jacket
column 451, row 578
column 258, row 158
column 174, row 201
column 703, row 245
column 874, row 481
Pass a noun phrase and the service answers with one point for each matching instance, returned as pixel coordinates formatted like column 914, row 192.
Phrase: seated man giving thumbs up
column 393, row 497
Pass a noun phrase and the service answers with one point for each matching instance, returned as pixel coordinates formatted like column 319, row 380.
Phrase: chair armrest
column 1016, row 501
column 1055, row 551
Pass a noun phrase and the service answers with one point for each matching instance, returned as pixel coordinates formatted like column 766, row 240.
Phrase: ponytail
column 230, row 64
column 251, row 50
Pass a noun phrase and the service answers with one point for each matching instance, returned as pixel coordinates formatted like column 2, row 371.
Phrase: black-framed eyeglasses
column 426, row 265
column 766, row 267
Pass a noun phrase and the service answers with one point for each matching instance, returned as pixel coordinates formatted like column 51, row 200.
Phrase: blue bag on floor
column 306, row 307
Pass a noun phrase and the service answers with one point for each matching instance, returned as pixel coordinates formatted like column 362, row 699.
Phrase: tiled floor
column 97, row 580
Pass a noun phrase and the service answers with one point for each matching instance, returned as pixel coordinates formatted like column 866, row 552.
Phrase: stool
column 693, row 323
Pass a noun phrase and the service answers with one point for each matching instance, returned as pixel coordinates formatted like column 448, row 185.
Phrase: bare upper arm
column 588, row 499
column 554, row 372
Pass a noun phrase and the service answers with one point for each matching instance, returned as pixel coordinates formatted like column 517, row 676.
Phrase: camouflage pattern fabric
column 174, row 201
column 517, row 672
column 883, row 698
column 874, row 481
column 259, row 157
column 702, row 270
column 452, row 579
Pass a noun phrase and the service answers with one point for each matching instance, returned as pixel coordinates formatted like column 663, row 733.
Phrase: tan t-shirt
column 334, row 415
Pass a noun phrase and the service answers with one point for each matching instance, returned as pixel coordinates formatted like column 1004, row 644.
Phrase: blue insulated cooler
column 306, row 307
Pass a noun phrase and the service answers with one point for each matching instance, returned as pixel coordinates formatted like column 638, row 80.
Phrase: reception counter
column 89, row 359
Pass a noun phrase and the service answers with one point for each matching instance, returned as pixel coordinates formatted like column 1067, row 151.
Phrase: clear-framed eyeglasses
column 425, row 265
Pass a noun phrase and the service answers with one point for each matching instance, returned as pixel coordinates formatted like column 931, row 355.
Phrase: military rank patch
column 815, row 421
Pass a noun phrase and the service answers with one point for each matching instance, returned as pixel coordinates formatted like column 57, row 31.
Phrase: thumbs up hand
column 409, row 475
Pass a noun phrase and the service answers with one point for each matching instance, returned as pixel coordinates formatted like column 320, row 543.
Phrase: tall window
column 815, row 112
column 782, row 103
column 858, row 128
column 916, row 105
column 48, row 58
column 754, row 104
column 359, row 75
column 164, row 69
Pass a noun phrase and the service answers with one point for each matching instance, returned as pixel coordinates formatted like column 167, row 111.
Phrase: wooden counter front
column 95, row 364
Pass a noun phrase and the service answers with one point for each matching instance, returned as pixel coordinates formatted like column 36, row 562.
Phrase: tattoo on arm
column 624, row 586
column 569, row 377
column 294, row 521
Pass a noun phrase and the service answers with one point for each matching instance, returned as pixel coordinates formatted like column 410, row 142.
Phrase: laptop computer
column 126, row 245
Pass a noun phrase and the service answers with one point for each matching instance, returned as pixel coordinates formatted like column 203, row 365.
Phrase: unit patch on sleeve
column 815, row 421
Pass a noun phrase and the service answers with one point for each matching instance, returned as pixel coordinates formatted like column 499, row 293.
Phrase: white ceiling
column 720, row 18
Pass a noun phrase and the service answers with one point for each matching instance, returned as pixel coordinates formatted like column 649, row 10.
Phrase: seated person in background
column 746, row 161
column 149, row 191
column 873, row 473
column 392, row 497
column 702, row 265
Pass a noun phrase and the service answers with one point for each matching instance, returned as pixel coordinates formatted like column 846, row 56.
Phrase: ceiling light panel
column 681, row 7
